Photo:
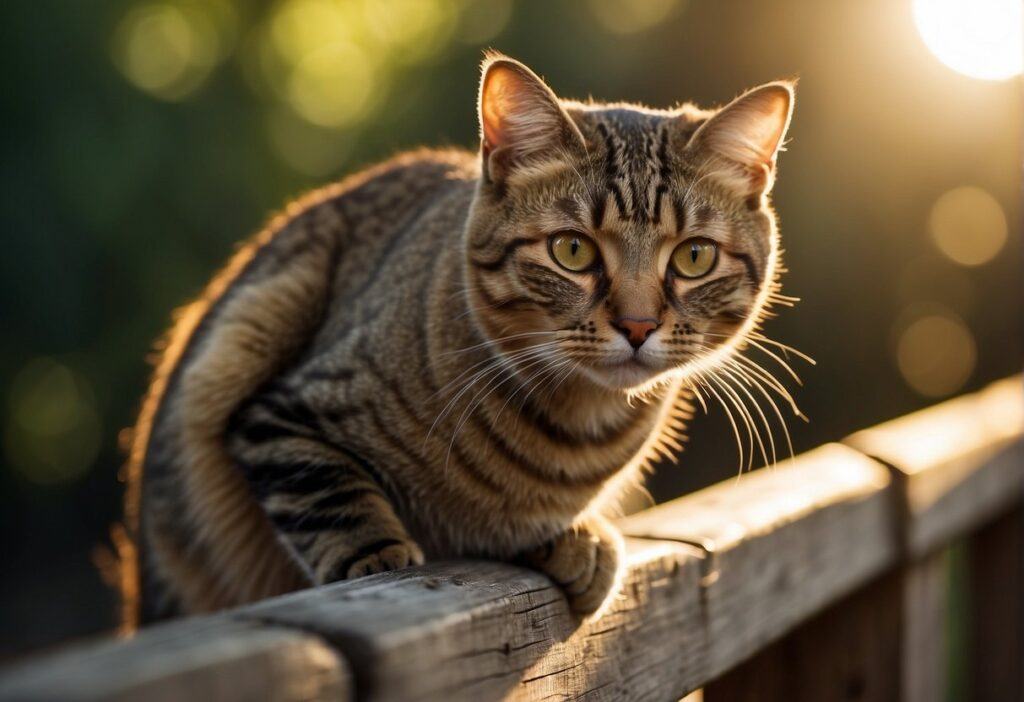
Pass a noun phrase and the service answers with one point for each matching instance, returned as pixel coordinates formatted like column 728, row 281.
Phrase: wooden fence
column 825, row 578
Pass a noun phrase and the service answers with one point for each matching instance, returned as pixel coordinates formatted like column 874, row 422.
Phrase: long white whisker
column 796, row 352
column 544, row 370
column 764, row 420
column 497, row 365
column 756, row 343
column 496, row 341
column 756, row 370
column 748, row 419
column 489, row 388
column 728, row 413
column 782, row 421
column 491, row 359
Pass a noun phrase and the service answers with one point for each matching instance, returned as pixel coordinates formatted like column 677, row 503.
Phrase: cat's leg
column 326, row 503
column 584, row 561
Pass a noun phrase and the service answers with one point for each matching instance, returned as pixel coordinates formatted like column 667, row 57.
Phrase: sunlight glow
column 978, row 38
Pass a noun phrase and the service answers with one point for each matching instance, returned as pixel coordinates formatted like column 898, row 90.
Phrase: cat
column 456, row 354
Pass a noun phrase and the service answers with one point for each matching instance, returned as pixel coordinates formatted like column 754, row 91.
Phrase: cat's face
column 620, row 243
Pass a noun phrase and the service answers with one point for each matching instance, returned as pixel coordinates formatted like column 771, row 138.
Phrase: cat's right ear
column 521, row 120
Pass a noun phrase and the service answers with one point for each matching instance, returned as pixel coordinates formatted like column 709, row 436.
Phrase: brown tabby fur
column 345, row 398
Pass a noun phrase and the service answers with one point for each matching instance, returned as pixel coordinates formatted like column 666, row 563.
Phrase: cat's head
column 629, row 243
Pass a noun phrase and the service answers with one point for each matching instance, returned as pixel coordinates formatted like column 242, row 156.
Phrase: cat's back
column 393, row 211
column 252, row 320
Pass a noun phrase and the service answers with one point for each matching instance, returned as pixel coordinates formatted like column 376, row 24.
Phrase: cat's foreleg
column 584, row 561
column 325, row 504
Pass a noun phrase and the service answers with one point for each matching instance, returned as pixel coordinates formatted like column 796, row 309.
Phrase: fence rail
column 822, row 578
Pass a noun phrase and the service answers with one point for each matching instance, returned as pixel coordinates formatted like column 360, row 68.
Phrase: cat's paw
column 584, row 561
column 390, row 554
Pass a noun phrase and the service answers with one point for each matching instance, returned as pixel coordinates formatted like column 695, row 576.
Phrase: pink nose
column 636, row 331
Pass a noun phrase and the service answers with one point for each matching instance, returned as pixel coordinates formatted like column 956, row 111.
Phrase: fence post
column 924, row 651
column 850, row 651
column 884, row 642
column 996, row 573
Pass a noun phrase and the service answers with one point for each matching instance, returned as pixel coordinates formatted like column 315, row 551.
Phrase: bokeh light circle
column 631, row 17
column 168, row 49
column 968, row 226
column 53, row 433
column 978, row 38
column 333, row 86
column 936, row 354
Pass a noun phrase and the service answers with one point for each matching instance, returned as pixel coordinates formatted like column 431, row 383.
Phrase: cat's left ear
column 521, row 120
column 740, row 142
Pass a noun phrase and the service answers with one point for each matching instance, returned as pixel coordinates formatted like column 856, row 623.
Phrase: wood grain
column 957, row 463
column 481, row 631
column 924, row 651
column 782, row 544
column 201, row 659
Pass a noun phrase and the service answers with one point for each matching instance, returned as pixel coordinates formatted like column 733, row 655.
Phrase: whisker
column 563, row 378
column 764, row 420
column 493, row 342
column 549, row 373
column 700, row 398
column 748, row 419
column 494, row 358
column 481, row 396
column 755, row 342
column 728, row 413
column 796, row 352
column 759, row 372
column 775, row 407
column 544, row 371
column 497, row 365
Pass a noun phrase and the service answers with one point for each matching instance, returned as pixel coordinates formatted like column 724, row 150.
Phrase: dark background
column 142, row 140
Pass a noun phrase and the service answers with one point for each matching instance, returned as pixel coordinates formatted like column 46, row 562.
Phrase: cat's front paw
column 382, row 556
column 584, row 561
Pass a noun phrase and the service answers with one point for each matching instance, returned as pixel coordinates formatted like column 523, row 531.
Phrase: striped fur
column 396, row 369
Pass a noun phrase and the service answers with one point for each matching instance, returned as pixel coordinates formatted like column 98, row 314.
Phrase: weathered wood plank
column 957, row 463
column 850, row 651
column 782, row 544
column 996, row 559
column 710, row 580
column 924, row 652
column 482, row 631
column 200, row 659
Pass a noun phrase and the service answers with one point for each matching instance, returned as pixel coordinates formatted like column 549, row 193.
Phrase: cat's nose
column 635, row 330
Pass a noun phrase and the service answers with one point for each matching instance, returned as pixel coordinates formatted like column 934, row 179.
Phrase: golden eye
column 694, row 257
column 573, row 251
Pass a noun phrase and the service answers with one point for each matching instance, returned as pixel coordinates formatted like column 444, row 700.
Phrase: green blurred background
column 143, row 139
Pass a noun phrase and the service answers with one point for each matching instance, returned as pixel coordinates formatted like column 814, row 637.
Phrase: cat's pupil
column 575, row 246
column 694, row 253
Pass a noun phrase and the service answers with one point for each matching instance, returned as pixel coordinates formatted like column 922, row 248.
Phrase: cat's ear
column 740, row 142
column 521, row 120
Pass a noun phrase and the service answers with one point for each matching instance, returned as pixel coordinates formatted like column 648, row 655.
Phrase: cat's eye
column 573, row 251
column 694, row 257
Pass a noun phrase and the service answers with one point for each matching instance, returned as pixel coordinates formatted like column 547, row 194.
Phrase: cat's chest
column 492, row 529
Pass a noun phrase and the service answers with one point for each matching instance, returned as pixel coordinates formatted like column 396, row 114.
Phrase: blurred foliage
column 143, row 139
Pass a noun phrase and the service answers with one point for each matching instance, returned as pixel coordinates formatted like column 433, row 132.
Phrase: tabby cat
column 456, row 354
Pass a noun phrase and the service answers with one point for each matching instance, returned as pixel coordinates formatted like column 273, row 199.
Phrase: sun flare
column 978, row 38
